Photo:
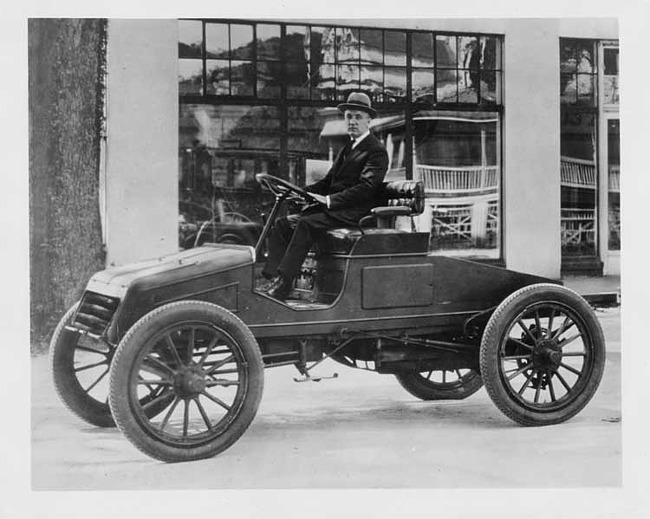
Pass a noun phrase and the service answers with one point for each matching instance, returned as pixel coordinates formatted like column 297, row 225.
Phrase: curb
column 603, row 299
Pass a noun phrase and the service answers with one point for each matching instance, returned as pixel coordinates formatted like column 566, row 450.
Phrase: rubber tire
column 498, row 324
column 127, row 353
column 66, row 384
column 424, row 389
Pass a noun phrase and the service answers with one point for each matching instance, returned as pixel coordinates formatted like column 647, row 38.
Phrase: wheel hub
column 547, row 355
column 190, row 383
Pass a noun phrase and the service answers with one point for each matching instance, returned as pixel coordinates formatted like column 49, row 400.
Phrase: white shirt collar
column 356, row 141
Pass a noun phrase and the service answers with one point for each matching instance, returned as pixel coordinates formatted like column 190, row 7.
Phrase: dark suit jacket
column 354, row 182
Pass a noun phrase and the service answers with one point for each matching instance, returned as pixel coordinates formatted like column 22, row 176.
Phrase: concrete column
column 142, row 140
column 531, row 200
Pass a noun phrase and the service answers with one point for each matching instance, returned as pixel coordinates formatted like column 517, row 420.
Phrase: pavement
column 599, row 291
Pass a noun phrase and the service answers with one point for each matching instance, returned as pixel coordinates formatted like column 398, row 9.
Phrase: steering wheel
column 283, row 189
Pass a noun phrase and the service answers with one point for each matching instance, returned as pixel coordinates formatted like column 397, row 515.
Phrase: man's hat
column 358, row 101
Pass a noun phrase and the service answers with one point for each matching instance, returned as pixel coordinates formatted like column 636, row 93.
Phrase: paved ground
column 361, row 430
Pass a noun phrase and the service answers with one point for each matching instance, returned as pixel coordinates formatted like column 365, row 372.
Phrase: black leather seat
column 397, row 198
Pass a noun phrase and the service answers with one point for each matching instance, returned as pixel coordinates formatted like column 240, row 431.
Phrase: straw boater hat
column 358, row 101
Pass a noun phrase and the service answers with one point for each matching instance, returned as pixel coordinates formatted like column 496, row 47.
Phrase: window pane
column 347, row 45
column 297, row 80
column 241, row 41
column 323, row 44
column 568, row 88
column 268, row 42
column 568, row 61
column 468, row 85
column 371, row 46
column 242, row 78
column 297, row 43
column 372, row 79
column 586, row 84
column 469, row 55
column 457, row 158
column 395, row 48
column 447, row 86
column 491, row 87
column 190, row 39
column 323, row 83
column 491, row 53
column 394, row 84
column 216, row 40
column 446, row 51
column 268, row 79
column 422, row 49
column 309, row 144
column 578, row 182
column 423, row 85
column 347, row 79
column 190, row 76
column 218, row 77
column 610, row 77
column 614, row 174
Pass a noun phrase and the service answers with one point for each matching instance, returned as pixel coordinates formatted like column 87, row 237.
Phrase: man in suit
column 346, row 194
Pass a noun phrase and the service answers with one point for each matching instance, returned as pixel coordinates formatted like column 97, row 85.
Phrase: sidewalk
column 601, row 291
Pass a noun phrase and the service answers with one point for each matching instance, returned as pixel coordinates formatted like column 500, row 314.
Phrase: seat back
column 397, row 198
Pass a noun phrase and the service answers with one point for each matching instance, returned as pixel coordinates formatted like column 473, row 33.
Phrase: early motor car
column 173, row 350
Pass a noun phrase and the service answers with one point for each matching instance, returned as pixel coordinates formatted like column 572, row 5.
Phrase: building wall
column 141, row 189
column 142, row 163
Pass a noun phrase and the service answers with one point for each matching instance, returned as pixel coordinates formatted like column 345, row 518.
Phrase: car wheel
column 542, row 355
column 454, row 384
column 79, row 365
column 207, row 360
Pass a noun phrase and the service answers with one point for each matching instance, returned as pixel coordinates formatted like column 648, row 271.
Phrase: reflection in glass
column 310, row 142
column 394, row 84
column 347, row 44
column 490, row 53
column 218, row 77
column 469, row 52
column 347, row 78
column 190, row 76
column 371, row 46
column 268, row 79
column 422, row 85
column 457, row 158
column 468, row 85
column 242, row 78
column 446, row 51
column 190, row 39
column 447, row 86
column 585, row 88
column 614, row 184
column 610, row 76
column 490, row 87
column 216, row 40
column 297, row 80
column 297, row 43
column 395, row 48
column 372, row 79
column 578, row 182
column 422, row 49
column 323, row 44
column 241, row 41
column 268, row 42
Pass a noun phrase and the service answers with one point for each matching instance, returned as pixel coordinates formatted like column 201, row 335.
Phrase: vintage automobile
column 173, row 350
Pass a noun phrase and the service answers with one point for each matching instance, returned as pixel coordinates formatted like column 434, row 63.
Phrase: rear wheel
column 542, row 355
column 454, row 384
column 208, row 368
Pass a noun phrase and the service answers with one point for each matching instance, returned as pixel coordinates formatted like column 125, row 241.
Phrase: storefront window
column 614, row 176
column 456, row 155
column 578, row 72
column 610, row 76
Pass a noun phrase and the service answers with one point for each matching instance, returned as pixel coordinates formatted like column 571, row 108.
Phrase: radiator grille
column 95, row 312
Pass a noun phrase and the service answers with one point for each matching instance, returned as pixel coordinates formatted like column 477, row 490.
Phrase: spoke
column 565, row 326
column 158, row 363
column 186, row 417
column 157, row 399
column 521, row 343
column 190, row 345
column 444, row 376
column 538, row 325
column 460, row 375
column 575, row 354
column 169, row 413
column 570, row 368
column 525, row 329
column 203, row 413
column 216, row 400
column 563, row 343
column 91, row 350
column 208, row 350
column 149, row 383
column 551, row 390
column 538, row 388
column 89, row 366
column 564, row 382
column 217, row 365
column 172, row 347
column 519, row 371
column 521, row 390
column 429, row 375
column 550, row 320
column 88, row 389
column 518, row 357
column 221, row 382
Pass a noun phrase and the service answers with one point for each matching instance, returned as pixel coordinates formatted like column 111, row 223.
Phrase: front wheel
column 542, row 355
column 205, row 367
column 456, row 384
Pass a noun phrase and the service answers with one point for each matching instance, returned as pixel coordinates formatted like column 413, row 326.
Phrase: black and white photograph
column 332, row 262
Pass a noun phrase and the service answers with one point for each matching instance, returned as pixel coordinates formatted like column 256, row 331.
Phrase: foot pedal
column 308, row 378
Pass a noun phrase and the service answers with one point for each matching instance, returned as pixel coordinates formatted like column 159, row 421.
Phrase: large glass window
column 262, row 96
column 614, row 184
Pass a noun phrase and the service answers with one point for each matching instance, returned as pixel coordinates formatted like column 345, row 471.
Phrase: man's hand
column 319, row 198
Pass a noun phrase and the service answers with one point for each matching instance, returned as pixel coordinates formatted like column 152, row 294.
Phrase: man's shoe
column 280, row 288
